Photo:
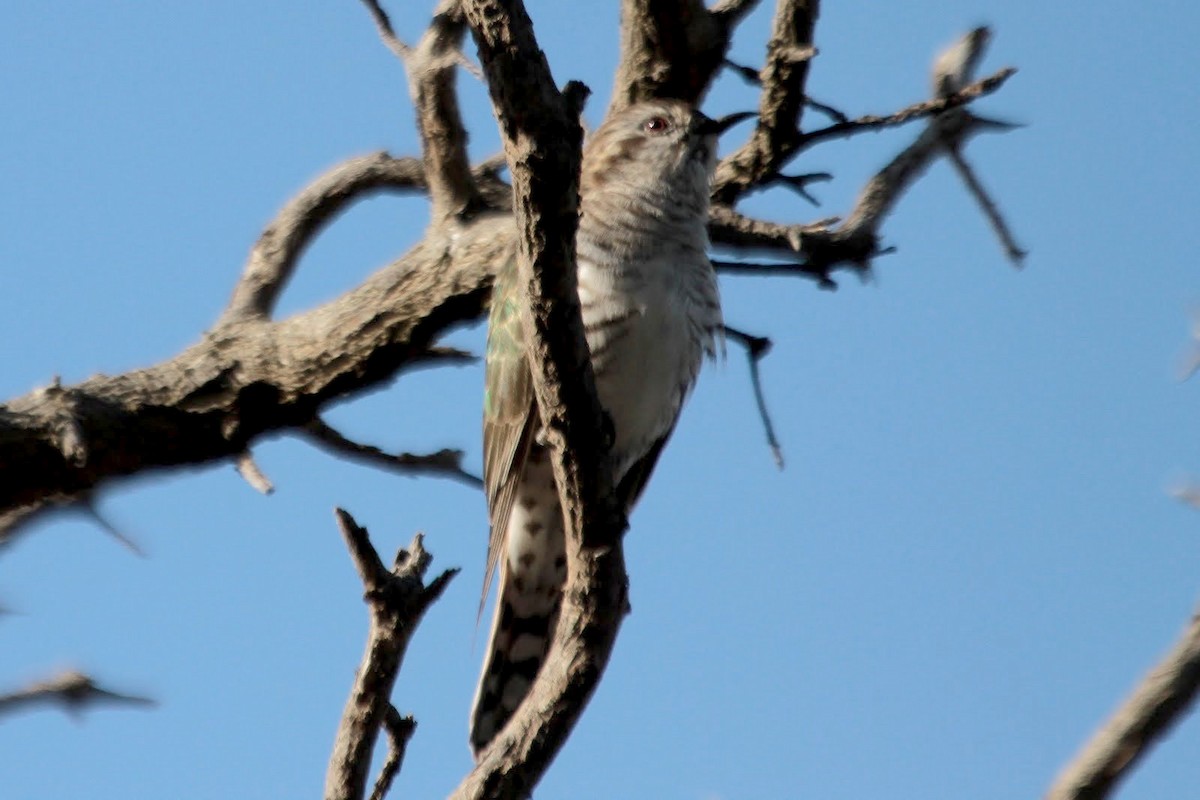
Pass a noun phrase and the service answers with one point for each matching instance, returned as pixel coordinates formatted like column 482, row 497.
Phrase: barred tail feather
column 522, row 627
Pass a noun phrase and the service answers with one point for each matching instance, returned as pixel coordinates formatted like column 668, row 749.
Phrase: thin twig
column 756, row 348
column 827, row 110
column 749, row 74
column 73, row 690
column 818, row 273
column 87, row 504
column 1015, row 253
column 446, row 463
column 384, row 25
column 799, row 183
column 921, row 110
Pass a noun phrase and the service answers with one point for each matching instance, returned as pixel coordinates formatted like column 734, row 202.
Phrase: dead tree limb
column 72, row 690
column 397, row 598
column 542, row 141
column 1162, row 699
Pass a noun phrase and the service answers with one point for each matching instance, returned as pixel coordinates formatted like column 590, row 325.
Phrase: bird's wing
column 633, row 482
column 510, row 418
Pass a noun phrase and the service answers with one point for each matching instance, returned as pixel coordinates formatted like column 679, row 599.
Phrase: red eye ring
column 656, row 125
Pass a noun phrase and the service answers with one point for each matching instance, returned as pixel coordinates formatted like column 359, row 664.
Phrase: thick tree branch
column 1161, row 700
column 251, row 376
column 542, row 141
column 397, row 599
column 672, row 48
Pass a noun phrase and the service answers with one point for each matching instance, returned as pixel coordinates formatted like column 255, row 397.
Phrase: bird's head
column 665, row 143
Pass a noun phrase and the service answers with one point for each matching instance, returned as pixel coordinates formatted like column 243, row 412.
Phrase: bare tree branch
column 819, row 274
column 1016, row 255
column 672, row 48
column 254, row 376
column 756, row 348
column 447, row 463
column 431, row 76
column 383, row 24
column 921, row 110
column 397, row 599
column 278, row 250
column 248, row 468
column 399, row 730
column 878, row 198
column 1164, row 696
column 72, row 690
column 777, row 135
column 542, row 140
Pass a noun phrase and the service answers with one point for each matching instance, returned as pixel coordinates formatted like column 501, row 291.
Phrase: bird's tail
column 522, row 628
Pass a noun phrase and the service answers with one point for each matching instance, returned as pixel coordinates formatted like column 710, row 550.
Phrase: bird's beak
column 706, row 126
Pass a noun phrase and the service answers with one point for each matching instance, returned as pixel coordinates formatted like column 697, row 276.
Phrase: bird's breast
column 648, row 324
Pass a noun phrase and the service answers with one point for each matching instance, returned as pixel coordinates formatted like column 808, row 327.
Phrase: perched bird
column 650, row 312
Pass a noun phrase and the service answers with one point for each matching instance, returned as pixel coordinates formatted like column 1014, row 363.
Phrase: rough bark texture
column 1156, row 704
column 397, row 599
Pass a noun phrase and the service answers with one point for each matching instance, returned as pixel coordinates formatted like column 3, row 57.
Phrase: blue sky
column 970, row 557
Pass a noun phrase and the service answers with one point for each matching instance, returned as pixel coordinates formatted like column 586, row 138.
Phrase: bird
column 651, row 313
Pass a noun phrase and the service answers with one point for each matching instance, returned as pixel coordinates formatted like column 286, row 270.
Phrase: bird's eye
column 656, row 125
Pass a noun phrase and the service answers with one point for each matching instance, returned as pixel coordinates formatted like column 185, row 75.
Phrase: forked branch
column 397, row 599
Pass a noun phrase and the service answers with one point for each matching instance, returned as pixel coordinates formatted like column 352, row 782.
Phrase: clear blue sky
column 970, row 557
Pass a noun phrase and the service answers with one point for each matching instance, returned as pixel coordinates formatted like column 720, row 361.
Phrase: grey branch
column 1014, row 252
column 877, row 199
column 1164, row 696
column 399, row 730
column 431, row 67
column 383, row 24
column 955, row 66
column 278, row 250
column 780, row 104
column 248, row 468
column 72, row 690
column 251, row 375
column 922, row 110
column 672, row 48
column 819, row 274
column 446, row 463
column 542, row 141
column 756, row 348
column 397, row 599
